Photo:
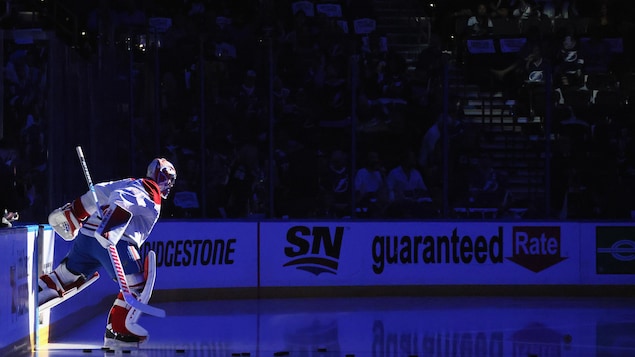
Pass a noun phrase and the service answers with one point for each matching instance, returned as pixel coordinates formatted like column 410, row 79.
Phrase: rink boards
column 261, row 259
column 288, row 254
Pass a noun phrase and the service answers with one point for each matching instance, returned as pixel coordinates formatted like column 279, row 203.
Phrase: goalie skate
column 68, row 294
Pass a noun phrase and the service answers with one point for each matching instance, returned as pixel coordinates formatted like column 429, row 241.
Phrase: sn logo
column 316, row 249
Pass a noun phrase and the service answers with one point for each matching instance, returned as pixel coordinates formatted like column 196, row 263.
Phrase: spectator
column 385, row 88
column 431, row 158
column 219, row 164
column 249, row 108
column 371, row 191
column 486, row 184
column 32, row 145
column 525, row 9
column 605, row 19
column 535, row 65
column 408, row 193
column 480, row 24
column 529, row 59
column 245, row 187
column 335, row 186
column 567, row 9
column 499, row 9
column 429, row 151
column 569, row 62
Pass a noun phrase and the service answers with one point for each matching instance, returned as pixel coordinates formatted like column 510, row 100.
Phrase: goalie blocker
column 113, row 225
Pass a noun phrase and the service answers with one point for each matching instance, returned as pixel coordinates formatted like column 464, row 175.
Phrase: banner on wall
column 414, row 253
column 204, row 254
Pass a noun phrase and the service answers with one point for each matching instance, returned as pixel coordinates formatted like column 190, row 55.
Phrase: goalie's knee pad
column 57, row 283
column 141, row 284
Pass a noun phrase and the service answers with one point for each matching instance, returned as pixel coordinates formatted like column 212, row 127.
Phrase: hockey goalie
column 129, row 210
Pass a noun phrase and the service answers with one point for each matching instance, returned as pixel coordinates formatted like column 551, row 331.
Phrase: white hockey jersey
column 141, row 197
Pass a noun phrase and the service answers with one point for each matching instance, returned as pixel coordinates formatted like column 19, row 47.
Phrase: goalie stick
column 114, row 255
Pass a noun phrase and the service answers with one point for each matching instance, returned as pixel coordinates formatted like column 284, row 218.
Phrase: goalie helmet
column 163, row 173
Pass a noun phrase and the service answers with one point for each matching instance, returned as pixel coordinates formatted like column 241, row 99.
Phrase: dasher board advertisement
column 609, row 254
column 204, row 254
column 413, row 253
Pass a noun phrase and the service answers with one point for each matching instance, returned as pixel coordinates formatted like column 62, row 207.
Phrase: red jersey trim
column 152, row 189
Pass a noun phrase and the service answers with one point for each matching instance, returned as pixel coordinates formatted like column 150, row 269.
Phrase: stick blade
column 145, row 308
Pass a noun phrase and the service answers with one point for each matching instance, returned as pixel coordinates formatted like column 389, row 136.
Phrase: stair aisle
column 405, row 25
column 513, row 144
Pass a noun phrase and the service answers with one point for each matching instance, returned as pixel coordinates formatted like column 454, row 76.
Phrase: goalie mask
column 163, row 173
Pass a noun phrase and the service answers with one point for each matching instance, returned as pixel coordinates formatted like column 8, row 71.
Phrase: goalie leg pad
column 61, row 284
column 123, row 327
column 149, row 273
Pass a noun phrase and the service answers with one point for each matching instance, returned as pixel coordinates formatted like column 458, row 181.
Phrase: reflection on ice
column 388, row 327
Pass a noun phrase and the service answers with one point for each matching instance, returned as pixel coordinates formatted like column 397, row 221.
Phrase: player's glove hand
column 64, row 222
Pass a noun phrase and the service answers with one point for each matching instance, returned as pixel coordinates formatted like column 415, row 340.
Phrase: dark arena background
column 374, row 178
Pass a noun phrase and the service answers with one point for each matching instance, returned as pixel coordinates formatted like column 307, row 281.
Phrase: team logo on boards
column 536, row 248
column 314, row 249
column 615, row 250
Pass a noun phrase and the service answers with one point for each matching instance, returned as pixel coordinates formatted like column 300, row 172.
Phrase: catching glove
column 64, row 222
